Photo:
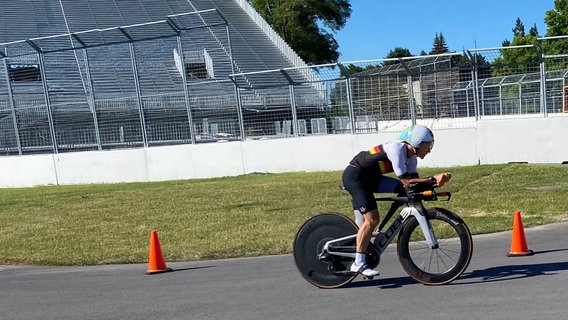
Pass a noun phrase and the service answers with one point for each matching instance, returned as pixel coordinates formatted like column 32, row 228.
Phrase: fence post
column 47, row 100
column 12, row 108
column 349, row 96
column 411, row 99
column 138, row 92
column 543, row 102
column 294, row 111
column 474, row 93
column 186, row 96
column 240, row 112
column 91, row 100
column 292, row 102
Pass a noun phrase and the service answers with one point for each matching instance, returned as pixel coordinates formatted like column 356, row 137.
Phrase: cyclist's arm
column 437, row 179
column 406, row 168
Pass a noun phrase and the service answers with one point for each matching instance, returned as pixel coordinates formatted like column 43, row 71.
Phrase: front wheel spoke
column 445, row 253
column 436, row 259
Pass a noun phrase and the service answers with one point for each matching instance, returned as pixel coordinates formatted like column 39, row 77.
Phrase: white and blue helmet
column 415, row 135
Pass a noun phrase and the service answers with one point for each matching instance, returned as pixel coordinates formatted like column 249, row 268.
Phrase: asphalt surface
column 493, row 287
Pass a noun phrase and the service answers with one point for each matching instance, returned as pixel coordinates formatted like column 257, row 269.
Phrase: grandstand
column 93, row 75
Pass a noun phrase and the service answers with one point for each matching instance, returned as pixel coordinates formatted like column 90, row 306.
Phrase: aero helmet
column 415, row 135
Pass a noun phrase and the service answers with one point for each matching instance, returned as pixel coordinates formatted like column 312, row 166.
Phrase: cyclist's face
column 425, row 148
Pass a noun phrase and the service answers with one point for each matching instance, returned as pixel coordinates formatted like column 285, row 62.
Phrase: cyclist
column 364, row 176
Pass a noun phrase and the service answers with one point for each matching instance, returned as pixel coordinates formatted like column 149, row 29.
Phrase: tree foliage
column 397, row 52
column 519, row 29
column 440, row 45
column 557, row 19
column 304, row 25
column 521, row 60
column 557, row 22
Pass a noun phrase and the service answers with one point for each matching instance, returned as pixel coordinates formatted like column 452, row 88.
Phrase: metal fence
column 165, row 83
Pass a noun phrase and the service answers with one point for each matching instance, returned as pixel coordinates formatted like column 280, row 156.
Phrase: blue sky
column 378, row 26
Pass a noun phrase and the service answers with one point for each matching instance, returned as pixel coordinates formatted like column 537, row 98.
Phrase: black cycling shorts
column 363, row 184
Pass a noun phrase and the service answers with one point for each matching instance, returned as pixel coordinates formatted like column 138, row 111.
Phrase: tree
column 519, row 29
column 533, row 31
column 304, row 25
column 519, row 36
column 557, row 19
column 521, row 60
column 557, row 22
column 440, row 45
column 397, row 52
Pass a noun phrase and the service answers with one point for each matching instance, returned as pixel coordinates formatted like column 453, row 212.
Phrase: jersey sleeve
column 396, row 152
column 412, row 166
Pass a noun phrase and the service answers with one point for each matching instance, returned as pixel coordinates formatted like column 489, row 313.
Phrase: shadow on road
column 512, row 272
column 493, row 274
column 384, row 283
column 192, row 268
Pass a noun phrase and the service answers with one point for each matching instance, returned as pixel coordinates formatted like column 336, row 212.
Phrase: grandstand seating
column 55, row 112
column 250, row 49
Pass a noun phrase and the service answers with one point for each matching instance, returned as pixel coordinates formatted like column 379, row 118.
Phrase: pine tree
column 440, row 45
column 519, row 29
column 533, row 31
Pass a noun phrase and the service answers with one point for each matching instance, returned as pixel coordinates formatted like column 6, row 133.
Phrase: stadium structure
column 104, row 74
column 80, row 75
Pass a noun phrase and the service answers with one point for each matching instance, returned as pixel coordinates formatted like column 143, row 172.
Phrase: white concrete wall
column 538, row 140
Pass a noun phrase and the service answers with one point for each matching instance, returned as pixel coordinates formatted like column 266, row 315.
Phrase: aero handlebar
column 428, row 194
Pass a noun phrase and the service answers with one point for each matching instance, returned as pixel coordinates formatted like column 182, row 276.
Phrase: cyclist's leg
column 363, row 239
column 361, row 186
column 352, row 182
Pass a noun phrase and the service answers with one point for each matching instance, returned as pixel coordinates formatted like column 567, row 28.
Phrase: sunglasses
column 427, row 146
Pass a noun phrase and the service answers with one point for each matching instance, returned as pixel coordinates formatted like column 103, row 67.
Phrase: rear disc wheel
column 333, row 271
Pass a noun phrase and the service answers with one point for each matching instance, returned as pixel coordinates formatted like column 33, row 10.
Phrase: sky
column 378, row 26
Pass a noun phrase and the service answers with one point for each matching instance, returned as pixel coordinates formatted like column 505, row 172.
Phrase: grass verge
column 248, row 215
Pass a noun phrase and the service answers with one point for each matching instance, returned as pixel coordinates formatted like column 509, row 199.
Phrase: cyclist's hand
column 442, row 178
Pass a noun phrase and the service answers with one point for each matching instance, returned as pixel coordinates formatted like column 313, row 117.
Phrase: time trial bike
column 434, row 245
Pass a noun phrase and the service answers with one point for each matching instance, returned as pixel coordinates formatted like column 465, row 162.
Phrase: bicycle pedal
column 368, row 277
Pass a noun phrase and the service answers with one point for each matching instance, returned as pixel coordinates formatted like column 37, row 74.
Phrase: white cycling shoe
column 364, row 270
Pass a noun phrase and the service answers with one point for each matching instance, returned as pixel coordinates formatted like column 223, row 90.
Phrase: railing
column 139, row 98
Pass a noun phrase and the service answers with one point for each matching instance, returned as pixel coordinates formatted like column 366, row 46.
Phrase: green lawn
column 239, row 216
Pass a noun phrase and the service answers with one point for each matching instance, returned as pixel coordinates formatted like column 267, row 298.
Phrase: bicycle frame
column 382, row 240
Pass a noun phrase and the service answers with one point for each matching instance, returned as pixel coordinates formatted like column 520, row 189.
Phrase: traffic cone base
column 156, row 263
column 158, row 271
column 519, row 246
column 520, row 254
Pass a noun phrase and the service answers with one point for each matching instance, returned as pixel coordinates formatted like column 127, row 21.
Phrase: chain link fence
column 177, row 82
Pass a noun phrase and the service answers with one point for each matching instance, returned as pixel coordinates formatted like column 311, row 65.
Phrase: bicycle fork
column 425, row 226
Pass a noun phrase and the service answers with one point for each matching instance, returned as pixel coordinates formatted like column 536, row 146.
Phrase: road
column 493, row 287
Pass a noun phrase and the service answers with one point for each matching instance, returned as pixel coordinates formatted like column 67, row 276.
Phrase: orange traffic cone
column 156, row 263
column 519, row 242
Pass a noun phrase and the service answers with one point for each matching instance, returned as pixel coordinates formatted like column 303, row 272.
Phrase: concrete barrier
column 532, row 140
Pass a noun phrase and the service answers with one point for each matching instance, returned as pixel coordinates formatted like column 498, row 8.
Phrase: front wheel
column 439, row 265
